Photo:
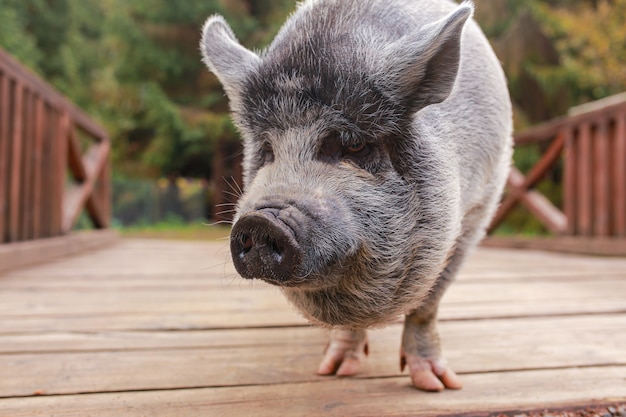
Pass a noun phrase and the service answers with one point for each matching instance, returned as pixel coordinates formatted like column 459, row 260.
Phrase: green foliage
column 14, row 36
column 173, row 229
column 135, row 66
column 590, row 41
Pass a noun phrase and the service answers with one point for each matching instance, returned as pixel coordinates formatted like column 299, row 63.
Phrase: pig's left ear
column 225, row 56
column 423, row 66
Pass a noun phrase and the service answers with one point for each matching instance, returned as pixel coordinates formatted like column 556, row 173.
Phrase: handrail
column 591, row 141
column 40, row 132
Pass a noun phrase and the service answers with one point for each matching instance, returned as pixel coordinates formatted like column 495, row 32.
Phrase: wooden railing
column 591, row 141
column 43, row 138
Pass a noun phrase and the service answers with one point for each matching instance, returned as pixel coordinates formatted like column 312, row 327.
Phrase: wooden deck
column 166, row 328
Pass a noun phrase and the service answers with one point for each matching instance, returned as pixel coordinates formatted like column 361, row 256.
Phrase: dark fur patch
column 332, row 80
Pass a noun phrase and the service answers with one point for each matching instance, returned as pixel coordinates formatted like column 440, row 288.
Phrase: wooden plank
column 597, row 106
column 60, row 171
column 98, row 204
column 48, row 166
column 619, row 176
column 189, row 262
column 5, row 90
column 38, row 172
column 15, row 178
column 105, row 193
column 26, row 204
column 539, row 205
column 548, row 159
column 601, row 172
column 496, row 346
column 570, row 160
column 94, row 161
column 550, row 216
column 532, row 361
column 491, row 392
column 584, row 220
column 235, row 310
column 488, row 296
column 541, row 132
column 583, row 114
column 21, row 254
column 564, row 244
column 497, row 334
column 76, row 281
column 75, row 158
column 171, row 321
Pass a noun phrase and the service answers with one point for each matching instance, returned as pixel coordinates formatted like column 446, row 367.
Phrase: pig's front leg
column 421, row 351
column 345, row 351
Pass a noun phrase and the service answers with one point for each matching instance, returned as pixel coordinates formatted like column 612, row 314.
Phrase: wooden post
column 5, row 87
column 569, row 180
column 600, row 174
column 60, row 170
column 26, row 204
column 16, row 166
column 619, row 175
column 583, row 154
column 104, row 193
column 38, row 202
column 47, row 167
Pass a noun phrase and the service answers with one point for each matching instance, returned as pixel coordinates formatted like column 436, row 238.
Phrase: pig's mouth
column 263, row 245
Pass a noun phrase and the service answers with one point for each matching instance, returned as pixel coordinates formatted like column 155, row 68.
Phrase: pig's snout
column 263, row 245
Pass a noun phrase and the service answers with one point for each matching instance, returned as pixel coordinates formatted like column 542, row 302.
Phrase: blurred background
column 135, row 67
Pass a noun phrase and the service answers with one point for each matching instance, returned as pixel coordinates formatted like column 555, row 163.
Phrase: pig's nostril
column 246, row 244
column 277, row 251
column 264, row 247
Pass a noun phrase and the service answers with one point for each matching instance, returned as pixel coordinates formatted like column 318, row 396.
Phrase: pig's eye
column 357, row 150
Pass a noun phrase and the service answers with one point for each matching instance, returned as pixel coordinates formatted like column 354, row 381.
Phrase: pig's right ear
column 423, row 66
column 225, row 56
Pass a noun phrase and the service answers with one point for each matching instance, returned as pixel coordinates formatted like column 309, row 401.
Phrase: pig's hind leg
column 345, row 351
column 421, row 348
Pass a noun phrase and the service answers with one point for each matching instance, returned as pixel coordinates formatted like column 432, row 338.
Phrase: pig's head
column 349, row 204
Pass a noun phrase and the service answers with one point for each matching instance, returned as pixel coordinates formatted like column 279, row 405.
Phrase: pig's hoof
column 430, row 374
column 344, row 354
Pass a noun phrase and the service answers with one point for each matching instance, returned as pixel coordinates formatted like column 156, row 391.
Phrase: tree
column 557, row 54
column 136, row 67
column 589, row 38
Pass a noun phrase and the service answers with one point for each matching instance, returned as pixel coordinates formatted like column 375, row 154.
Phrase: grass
column 175, row 230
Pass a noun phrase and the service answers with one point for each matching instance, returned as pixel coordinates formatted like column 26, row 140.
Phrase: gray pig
column 377, row 141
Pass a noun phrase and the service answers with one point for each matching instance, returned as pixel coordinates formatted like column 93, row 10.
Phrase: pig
column 377, row 141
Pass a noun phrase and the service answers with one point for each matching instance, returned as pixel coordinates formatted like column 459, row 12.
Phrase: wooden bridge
column 166, row 328
column 95, row 325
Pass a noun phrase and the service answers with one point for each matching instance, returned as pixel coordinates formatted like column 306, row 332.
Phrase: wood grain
column 150, row 328
column 484, row 393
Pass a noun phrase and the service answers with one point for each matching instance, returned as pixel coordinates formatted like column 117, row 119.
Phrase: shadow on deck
column 149, row 327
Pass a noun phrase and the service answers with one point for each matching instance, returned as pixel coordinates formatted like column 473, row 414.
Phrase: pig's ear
column 424, row 65
column 225, row 56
